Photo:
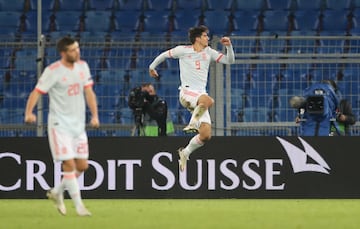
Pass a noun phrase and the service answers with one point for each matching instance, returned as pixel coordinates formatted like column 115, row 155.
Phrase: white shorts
column 189, row 98
column 65, row 147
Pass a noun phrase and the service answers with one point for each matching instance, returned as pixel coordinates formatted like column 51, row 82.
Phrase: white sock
column 59, row 189
column 194, row 144
column 78, row 173
column 72, row 186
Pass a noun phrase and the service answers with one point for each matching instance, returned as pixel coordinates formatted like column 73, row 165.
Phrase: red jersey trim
column 89, row 85
column 55, row 65
column 218, row 59
column 40, row 91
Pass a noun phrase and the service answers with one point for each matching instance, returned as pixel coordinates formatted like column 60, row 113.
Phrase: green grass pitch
column 169, row 213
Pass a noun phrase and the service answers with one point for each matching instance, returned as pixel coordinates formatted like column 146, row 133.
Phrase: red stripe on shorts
column 190, row 93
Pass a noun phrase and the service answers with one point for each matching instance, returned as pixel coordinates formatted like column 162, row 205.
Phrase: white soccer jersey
column 194, row 66
column 65, row 87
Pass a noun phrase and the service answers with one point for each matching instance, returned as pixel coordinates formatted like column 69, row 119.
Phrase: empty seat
column 9, row 20
column 68, row 20
column 132, row 5
column 159, row 5
column 276, row 20
column 355, row 19
column 126, row 20
column 28, row 23
column 306, row 20
column 26, row 59
column 98, row 21
column 184, row 19
column 338, row 5
column 353, row 4
column 116, row 5
column 100, row 4
column 280, row 4
column 245, row 21
column 48, row 21
column 253, row 5
column 13, row 5
column 217, row 21
column 214, row 4
column 335, row 21
column 184, row 4
column 146, row 5
column 64, row 5
column 309, row 4
column 157, row 21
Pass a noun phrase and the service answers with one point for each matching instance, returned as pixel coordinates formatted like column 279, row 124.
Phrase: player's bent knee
column 205, row 137
column 82, row 166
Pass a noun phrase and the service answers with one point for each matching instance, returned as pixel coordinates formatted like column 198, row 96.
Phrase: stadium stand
column 98, row 21
column 66, row 5
column 16, row 5
column 100, row 5
column 277, row 43
column 338, row 5
column 316, row 5
column 280, row 5
column 254, row 5
column 276, row 20
column 10, row 21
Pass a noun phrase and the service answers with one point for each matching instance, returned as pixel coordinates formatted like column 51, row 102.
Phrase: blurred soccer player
column 68, row 83
column 194, row 61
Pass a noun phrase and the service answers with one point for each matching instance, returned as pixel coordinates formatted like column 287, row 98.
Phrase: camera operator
column 144, row 100
column 342, row 113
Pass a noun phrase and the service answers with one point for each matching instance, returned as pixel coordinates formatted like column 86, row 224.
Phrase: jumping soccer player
column 194, row 61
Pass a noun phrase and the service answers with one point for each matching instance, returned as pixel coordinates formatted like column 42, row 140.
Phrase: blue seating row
column 247, row 16
column 139, row 5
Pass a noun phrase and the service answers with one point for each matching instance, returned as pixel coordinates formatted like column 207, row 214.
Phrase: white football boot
column 58, row 200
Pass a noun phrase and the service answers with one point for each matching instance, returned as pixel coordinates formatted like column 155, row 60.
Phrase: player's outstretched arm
column 229, row 58
column 158, row 60
column 226, row 41
column 153, row 73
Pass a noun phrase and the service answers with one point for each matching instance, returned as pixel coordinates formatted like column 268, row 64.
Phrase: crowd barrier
column 226, row 167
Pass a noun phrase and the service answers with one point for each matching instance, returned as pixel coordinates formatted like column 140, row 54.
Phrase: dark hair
column 195, row 32
column 63, row 43
column 332, row 83
column 146, row 84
